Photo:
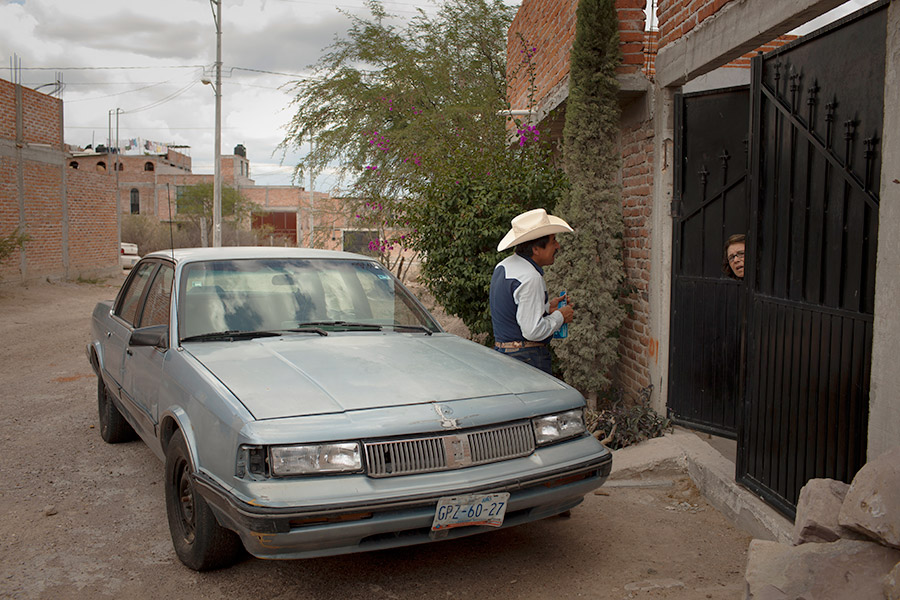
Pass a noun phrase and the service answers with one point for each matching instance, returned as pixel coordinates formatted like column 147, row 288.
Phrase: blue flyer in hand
column 563, row 331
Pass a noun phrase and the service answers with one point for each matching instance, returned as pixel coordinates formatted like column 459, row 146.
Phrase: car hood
column 303, row 375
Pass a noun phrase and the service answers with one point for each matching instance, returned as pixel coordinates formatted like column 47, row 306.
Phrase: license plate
column 471, row 509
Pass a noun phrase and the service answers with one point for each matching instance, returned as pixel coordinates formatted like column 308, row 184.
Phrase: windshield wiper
column 233, row 334
column 307, row 328
column 421, row 328
column 344, row 324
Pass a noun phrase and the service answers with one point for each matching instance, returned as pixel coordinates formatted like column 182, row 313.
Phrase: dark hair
column 526, row 249
column 738, row 238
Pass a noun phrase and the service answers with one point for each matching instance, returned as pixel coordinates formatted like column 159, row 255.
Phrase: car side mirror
column 156, row 336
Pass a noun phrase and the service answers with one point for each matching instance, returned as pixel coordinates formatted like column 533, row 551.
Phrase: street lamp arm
column 213, row 4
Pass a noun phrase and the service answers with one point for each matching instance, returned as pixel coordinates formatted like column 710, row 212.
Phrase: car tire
column 114, row 429
column 200, row 542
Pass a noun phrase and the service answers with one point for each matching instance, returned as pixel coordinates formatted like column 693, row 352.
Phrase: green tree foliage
column 589, row 266
column 416, row 120
column 12, row 242
column 195, row 205
column 460, row 222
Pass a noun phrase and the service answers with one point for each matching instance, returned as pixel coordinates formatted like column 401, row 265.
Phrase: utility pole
column 115, row 165
column 216, row 6
column 312, row 201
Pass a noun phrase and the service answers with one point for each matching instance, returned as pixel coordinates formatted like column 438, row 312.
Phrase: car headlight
column 315, row 459
column 561, row 426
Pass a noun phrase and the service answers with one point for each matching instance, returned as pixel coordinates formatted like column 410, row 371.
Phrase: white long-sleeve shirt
column 520, row 307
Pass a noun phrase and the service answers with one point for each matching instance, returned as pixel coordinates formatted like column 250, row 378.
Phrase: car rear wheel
column 200, row 542
column 114, row 429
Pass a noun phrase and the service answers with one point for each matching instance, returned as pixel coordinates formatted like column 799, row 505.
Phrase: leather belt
column 517, row 345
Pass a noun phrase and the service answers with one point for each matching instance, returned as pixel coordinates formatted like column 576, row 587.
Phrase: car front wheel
column 114, row 429
column 200, row 542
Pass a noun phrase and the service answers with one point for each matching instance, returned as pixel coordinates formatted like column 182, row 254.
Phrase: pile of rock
column 846, row 541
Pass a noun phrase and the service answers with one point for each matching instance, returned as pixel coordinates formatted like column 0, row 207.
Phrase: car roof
column 186, row 255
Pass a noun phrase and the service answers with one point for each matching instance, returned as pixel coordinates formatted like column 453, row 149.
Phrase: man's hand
column 568, row 311
column 554, row 302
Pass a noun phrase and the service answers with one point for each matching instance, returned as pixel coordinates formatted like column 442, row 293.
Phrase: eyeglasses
column 739, row 254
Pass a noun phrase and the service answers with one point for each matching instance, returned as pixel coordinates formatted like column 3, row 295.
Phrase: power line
column 124, row 68
column 357, row 6
column 120, row 93
column 274, row 73
column 141, row 128
column 162, row 101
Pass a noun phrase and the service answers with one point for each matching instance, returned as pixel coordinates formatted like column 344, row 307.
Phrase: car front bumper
column 357, row 526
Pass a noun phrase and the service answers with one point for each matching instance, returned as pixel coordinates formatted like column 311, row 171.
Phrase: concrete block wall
column 44, row 217
column 69, row 228
column 92, row 222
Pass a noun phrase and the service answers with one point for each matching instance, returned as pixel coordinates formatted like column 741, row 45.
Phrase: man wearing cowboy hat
column 523, row 316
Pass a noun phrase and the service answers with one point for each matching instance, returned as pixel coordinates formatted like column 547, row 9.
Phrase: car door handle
column 129, row 352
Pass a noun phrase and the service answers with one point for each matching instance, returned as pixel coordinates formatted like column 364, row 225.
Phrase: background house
column 151, row 176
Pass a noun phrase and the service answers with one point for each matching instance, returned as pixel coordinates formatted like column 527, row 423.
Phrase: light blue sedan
column 306, row 404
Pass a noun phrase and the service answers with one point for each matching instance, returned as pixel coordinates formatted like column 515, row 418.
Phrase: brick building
column 69, row 217
column 703, row 45
column 549, row 27
column 150, row 183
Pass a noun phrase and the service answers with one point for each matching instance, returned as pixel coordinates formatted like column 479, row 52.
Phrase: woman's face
column 736, row 259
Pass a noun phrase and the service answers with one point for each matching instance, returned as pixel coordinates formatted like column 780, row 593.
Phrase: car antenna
column 171, row 233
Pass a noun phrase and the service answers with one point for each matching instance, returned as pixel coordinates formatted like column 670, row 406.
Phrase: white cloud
column 164, row 44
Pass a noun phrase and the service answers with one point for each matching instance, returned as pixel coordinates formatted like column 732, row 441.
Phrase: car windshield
column 279, row 295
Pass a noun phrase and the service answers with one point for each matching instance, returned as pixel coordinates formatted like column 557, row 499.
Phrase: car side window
column 156, row 307
column 128, row 304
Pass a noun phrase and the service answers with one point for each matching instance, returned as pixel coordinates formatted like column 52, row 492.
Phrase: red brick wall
column 744, row 61
column 63, row 221
column 678, row 17
column 9, row 211
column 92, row 221
column 42, row 118
column 7, row 110
column 43, row 214
column 636, row 346
column 548, row 27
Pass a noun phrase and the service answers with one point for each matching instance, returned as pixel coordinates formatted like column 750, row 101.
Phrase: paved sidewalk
column 654, row 461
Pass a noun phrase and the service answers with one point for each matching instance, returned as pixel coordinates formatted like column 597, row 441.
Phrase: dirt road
column 80, row 519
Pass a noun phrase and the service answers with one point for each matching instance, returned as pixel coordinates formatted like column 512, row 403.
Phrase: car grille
column 449, row 451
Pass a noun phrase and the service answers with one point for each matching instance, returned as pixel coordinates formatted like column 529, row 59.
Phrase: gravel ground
column 80, row 519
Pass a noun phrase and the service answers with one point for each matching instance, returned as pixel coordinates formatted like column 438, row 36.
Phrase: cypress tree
column 589, row 265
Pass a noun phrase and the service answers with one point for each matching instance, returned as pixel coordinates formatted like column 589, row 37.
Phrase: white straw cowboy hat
column 530, row 226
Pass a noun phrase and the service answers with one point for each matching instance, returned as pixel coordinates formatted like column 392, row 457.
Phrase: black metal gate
column 815, row 166
column 707, row 306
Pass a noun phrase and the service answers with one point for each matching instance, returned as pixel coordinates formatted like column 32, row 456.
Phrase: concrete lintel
column 631, row 86
column 40, row 153
column 739, row 27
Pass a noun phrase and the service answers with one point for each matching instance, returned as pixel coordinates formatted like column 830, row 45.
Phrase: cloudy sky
column 148, row 58
column 145, row 60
